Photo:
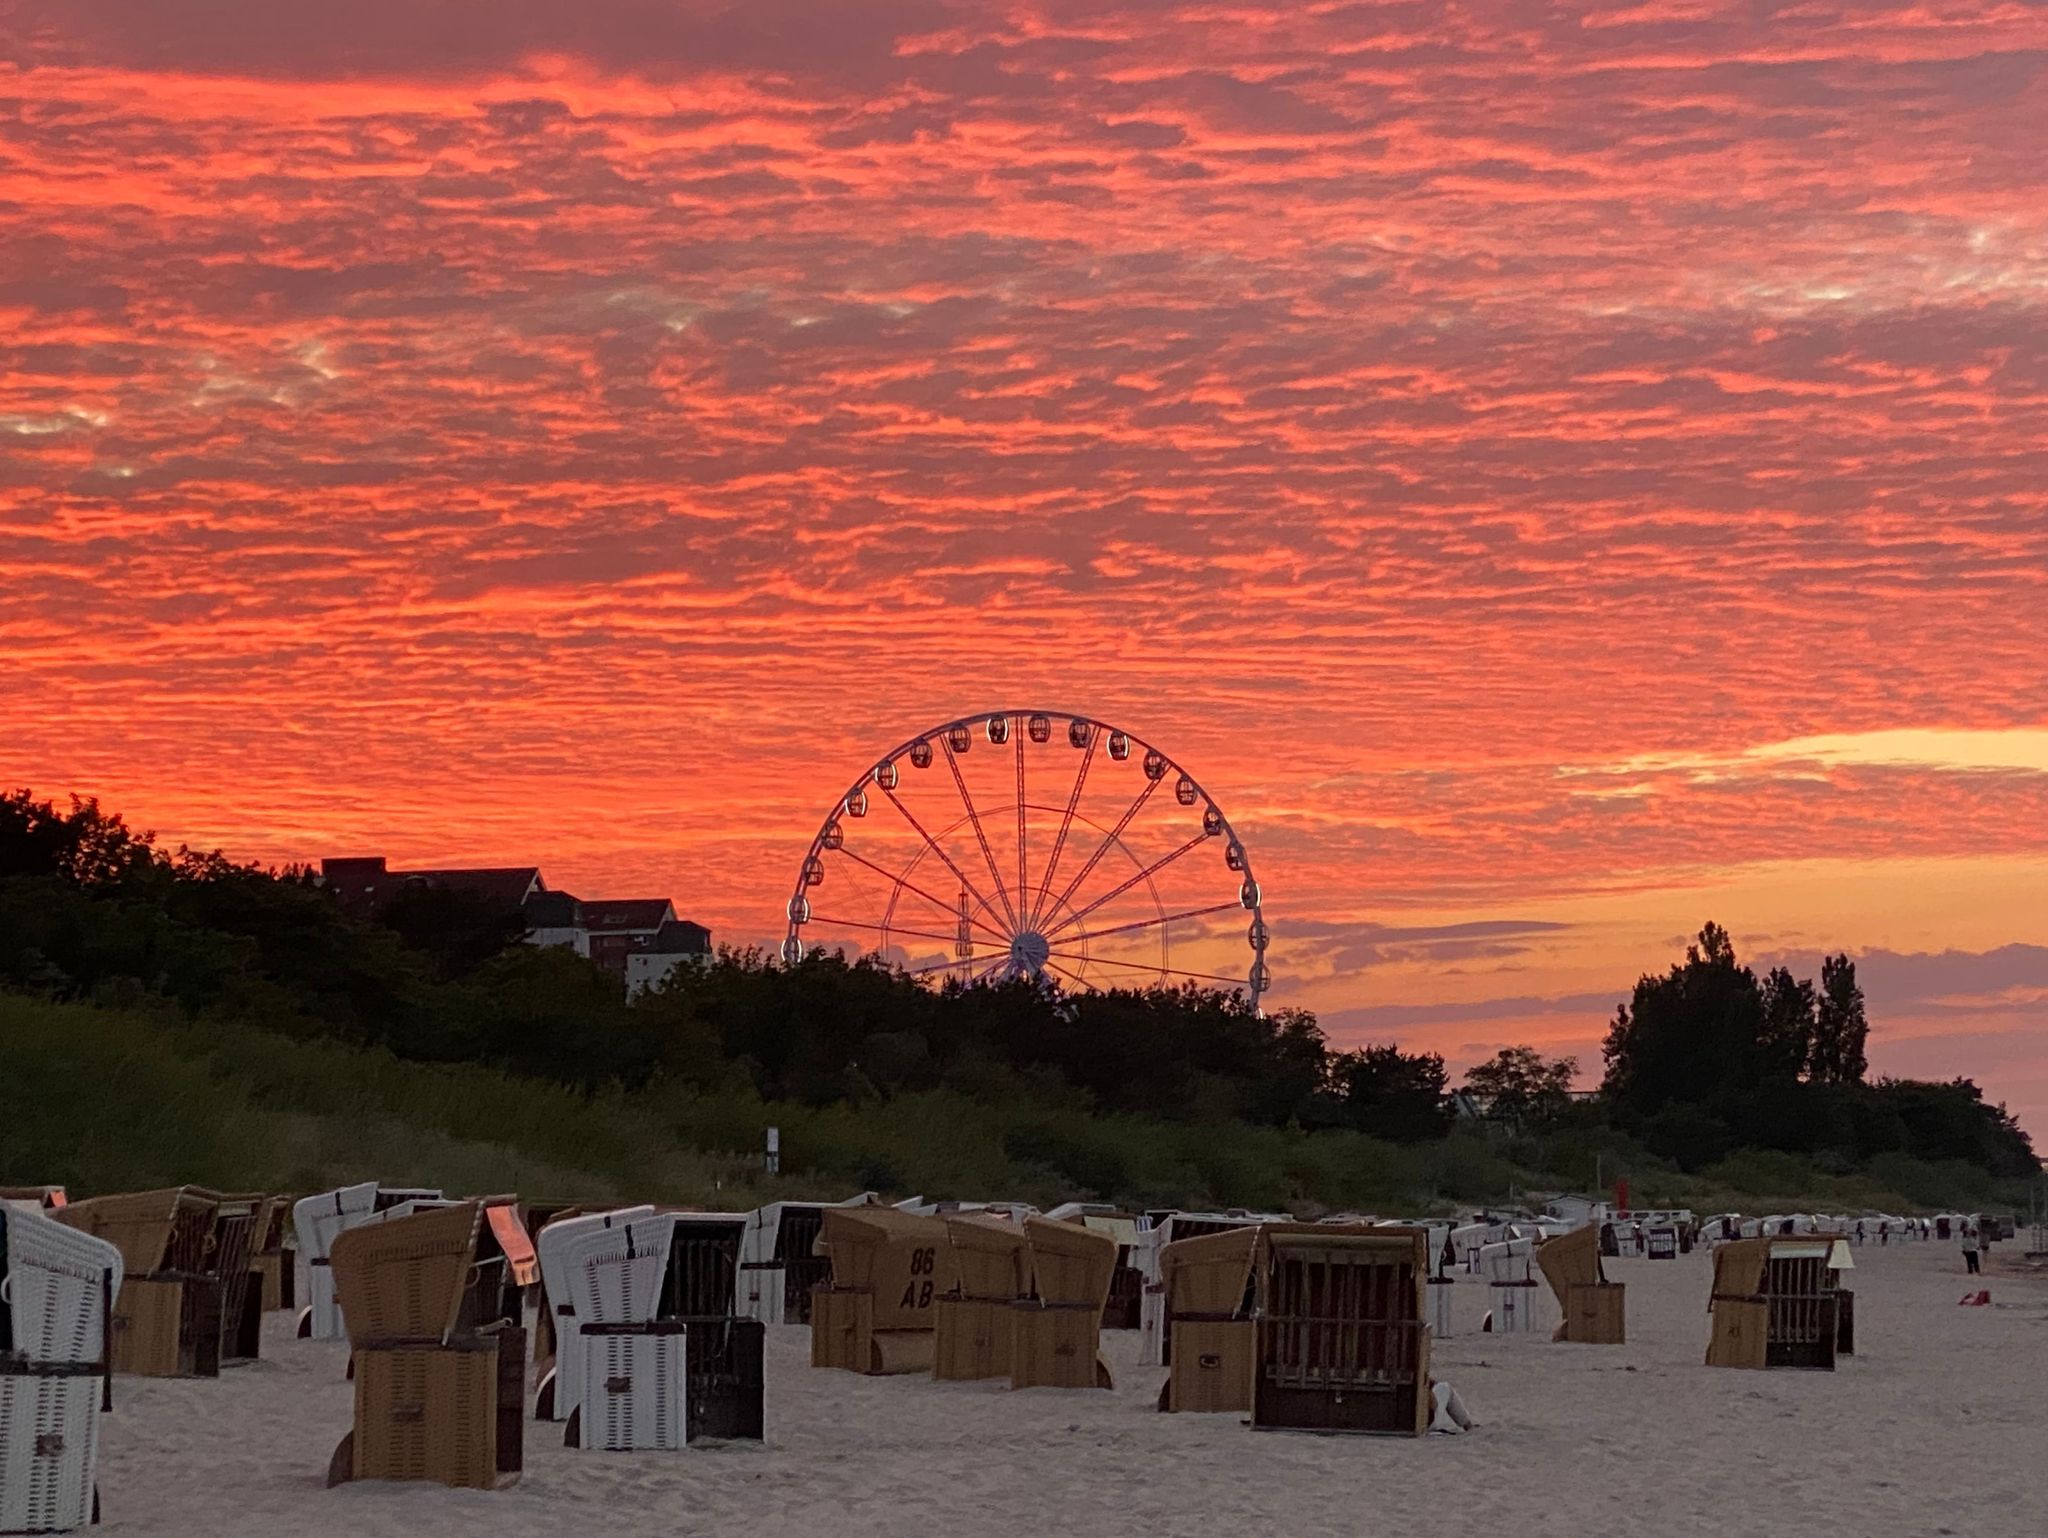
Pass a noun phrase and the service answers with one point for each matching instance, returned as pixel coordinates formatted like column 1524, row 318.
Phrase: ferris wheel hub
column 1030, row 950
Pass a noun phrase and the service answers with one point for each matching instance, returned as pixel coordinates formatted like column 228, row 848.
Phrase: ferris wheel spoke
column 1117, row 891
column 980, row 836
column 1022, row 858
column 925, row 969
column 940, row 850
column 1059, row 842
column 949, row 909
column 1101, row 849
column 821, row 922
column 1163, row 918
column 990, row 970
column 1141, row 966
column 1078, row 982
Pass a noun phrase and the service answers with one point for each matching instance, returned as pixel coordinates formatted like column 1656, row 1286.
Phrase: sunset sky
column 1556, row 474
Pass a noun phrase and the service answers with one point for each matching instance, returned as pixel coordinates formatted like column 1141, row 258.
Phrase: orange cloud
column 1584, row 475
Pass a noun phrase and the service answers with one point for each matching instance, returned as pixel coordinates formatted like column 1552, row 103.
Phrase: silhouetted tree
column 1841, row 1031
column 1393, row 1094
column 456, row 929
column 1693, row 1035
column 1521, row 1087
column 85, row 847
column 1786, row 1038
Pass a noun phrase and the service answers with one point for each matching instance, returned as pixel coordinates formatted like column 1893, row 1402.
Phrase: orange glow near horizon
column 1555, row 478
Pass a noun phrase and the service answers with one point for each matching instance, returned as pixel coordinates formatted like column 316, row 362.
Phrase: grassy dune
column 102, row 1099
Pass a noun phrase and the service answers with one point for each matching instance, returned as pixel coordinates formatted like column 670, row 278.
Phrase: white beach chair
column 1511, row 1293
column 318, row 1221
column 58, row 1292
column 1467, row 1240
column 762, row 1279
column 59, row 1289
column 561, row 1386
column 632, row 1379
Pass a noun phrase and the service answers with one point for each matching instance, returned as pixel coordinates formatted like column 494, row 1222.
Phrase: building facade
column 640, row 939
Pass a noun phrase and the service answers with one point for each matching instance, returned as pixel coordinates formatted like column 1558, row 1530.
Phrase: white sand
column 1937, row 1426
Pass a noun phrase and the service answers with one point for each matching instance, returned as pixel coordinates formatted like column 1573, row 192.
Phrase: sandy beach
column 1934, row 1427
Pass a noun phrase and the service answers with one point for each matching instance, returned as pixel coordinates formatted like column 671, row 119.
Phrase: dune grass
column 105, row 1099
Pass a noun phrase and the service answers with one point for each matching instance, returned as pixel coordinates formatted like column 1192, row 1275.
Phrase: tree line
column 1700, row 1061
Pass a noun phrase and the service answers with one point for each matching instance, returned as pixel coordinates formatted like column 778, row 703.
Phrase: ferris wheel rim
column 1021, row 715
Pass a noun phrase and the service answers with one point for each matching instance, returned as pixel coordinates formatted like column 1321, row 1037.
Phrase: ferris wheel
column 1034, row 844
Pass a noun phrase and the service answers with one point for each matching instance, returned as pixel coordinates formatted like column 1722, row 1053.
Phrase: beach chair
column 32, row 1198
column 877, row 1312
column 1466, row 1241
column 1056, row 1330
column 1124, row 1309
column 971, row 1324
column 724, row 1366
column 58, row 1290
column 238, row 1224
column 539, row 1215
column 560, row 1377
column 662, row 1360
column 1155, row 1334
column 780, row 1262
column 1775, row 1303
column 629, row 1394
column 317, row 1221
column 1341, row 1343
column 1595, row 1311
column 271, row 1269
column 1510, row 1289
column 167, row 1321
column 439, row 1370
column 1206, row 1282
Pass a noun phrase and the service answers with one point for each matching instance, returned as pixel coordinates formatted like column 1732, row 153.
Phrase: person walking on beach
column 1970, row 1246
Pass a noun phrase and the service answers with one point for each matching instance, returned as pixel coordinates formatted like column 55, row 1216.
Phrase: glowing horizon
column 1556, row 478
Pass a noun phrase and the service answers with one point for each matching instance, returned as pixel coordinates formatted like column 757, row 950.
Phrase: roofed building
column 366, row 884
column 639, row 938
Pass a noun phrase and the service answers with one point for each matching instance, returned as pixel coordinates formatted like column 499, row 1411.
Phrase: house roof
column 365, row 882
column 680, row 937
column 511, row 884
column 617, row 915
column 553, row 910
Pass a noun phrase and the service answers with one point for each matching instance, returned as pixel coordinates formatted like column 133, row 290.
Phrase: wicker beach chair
column 1595, row 1309
column 559, row 1376
column 1775, row 1302
column 971, row 1328
column 877, row 1313
column 780, row 1262
column 653, row 1356
column 1056, row 1331
column 1206, row 1283
column 167, row 1321
column 58, row 1289
column 1155, row 1335
column 1511, row 1291
column 628, row 1394
column 318, row 1221
column 439, row 1387
column 1342, row 1344
column 270, row 1260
